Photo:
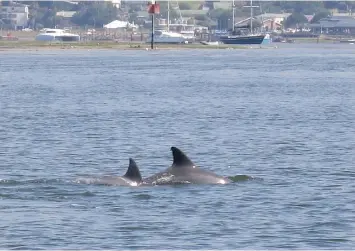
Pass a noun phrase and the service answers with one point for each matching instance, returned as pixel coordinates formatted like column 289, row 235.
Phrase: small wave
column 77, row 205
column 238, row 178
column 19, row 247
column 337, row 240
column 143, row 196
column 166, row 179
column 87, row 181
column 300, row 205
column 5, row 196
column 65, row 194
column 8, row 182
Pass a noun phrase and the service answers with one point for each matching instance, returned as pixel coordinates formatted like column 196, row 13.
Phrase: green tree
column 331, row 4
column 201, row 17
column 222, row 17
column 220, row 14
column 164, row 11
column 133, row 17
column 295, row 19
column 47, row 17
column 33, row 12
column 305, row 7
column 95, row 14
column 318, row 16
column 185, row 5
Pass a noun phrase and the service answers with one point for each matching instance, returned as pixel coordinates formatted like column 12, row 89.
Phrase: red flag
column 154, row 8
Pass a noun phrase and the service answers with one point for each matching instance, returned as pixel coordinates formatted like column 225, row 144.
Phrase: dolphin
column 131, row 178
column 184, row 171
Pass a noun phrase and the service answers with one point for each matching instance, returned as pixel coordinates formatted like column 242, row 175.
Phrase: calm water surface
column 284, row 116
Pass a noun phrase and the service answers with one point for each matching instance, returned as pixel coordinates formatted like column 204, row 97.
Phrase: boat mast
column 262, row 19
column 251, row 14
column 168, row 14
column 233, row 22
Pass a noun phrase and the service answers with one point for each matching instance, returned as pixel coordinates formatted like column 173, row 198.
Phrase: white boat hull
column 162, row 37
column 57, row 38
column 56, row 35
column 167, row 41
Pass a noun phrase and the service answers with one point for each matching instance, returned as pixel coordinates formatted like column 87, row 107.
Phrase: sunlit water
column 284, row 116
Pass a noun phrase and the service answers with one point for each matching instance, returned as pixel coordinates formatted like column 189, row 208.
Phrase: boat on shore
column 56, row 35
column 347, row 41
column 267, row 39
column 242, row 39
column 243, row 35
column 167, row 37
column 209, row 43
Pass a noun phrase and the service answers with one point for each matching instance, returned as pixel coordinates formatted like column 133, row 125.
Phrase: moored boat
column 167, row 37
column 56, row 35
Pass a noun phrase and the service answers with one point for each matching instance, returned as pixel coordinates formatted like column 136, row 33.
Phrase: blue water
column 282, row 115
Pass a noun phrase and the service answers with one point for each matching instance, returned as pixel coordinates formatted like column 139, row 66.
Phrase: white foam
column 133, row 184
column 222, row 181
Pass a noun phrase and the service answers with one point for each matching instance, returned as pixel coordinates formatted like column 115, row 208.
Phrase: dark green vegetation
column 95, row 14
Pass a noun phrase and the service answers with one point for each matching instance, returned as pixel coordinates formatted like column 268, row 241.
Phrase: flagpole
column 152, row 37
column 153, row 9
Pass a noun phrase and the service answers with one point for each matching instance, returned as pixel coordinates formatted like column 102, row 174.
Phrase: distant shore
column 37, row 45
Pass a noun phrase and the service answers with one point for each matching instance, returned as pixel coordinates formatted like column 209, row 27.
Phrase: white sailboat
column 166, row 36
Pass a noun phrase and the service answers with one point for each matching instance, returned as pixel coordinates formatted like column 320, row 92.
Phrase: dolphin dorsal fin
column 180, row 159
column 133, row 172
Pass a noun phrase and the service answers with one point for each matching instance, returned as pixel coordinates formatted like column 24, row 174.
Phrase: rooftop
column 273, row 15
column 335, row 22
column 67, row 14
column 190, row 13
column 222, row 5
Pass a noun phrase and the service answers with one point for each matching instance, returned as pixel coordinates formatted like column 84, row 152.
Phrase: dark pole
column 152, row 39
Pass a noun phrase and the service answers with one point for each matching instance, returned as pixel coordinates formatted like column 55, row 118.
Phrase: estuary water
column 284, row 116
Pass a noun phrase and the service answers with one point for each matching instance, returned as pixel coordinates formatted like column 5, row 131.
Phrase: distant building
column 272, row 21
column 117, row 24
column 116, row 3
column 193, row 13
column 65, row 14
column 336, row 25
column 65, row 17
column 15, row 15
column 271, row 25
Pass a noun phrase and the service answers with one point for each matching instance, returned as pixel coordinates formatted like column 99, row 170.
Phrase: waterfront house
column 336, row 25
column 272, row 21
column 15, row 15
column 271, row 25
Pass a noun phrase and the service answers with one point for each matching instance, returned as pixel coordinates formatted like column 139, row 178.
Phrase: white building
column 116, row 3
column 277, row 18
column 15, row 14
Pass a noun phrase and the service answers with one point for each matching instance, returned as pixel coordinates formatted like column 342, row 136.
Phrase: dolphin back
column 180, row 158
column 133, row 172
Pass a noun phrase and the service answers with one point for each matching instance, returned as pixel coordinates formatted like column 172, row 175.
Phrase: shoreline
column 35, row 45
column 19, row 45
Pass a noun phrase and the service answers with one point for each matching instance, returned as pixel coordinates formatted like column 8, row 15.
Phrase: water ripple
column 280, row 122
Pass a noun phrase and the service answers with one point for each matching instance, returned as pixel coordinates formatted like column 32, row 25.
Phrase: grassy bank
column 314, row 40
column 37, row 45
column 8, row 45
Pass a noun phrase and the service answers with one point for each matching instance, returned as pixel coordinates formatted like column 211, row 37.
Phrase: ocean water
column 284, row 116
